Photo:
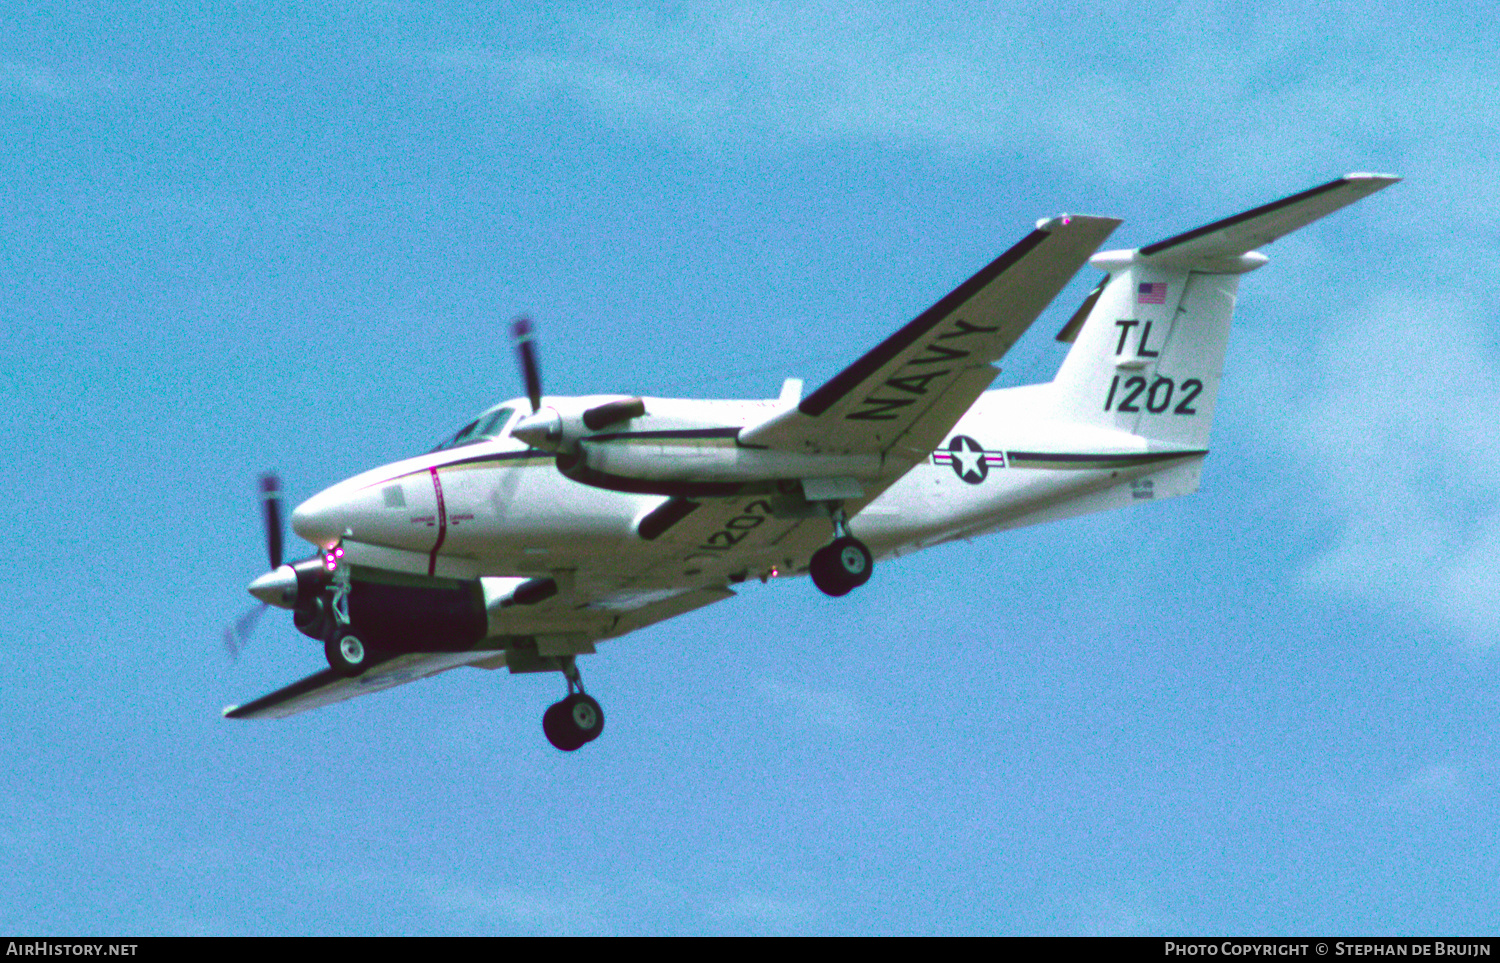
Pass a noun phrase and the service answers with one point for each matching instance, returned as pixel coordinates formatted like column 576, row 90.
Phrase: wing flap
column 876, row 400
column 666, row 608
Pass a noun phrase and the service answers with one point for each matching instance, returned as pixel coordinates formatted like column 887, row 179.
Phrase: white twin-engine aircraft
column 551, row 523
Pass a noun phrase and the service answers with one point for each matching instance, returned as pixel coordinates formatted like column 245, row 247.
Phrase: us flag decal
column 1151, row 292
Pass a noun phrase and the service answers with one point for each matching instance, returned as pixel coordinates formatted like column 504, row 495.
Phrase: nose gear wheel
column 347, row 655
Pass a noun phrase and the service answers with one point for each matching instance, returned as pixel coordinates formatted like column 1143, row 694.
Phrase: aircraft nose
column 323, row 518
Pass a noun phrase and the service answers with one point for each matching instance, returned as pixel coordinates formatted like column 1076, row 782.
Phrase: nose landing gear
column 346, row 654
column 575, row 720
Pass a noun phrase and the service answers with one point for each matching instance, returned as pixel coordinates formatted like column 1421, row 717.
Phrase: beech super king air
column 550, row 523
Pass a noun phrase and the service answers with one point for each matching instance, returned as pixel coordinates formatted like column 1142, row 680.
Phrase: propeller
column 237, row 633
column 526, row 349
column 547, row 431
column 270, row 488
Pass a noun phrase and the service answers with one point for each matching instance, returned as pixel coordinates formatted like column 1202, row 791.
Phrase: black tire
column 557, row 729
column 839, row 568
column 347, row 655
column 825, row 574
column 573, row 722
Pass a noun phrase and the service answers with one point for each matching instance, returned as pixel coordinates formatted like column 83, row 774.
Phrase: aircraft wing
column 327, row 687
column 921, row 379
column 624, row 611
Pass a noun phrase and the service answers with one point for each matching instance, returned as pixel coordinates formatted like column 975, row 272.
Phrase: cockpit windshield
column 482, row 428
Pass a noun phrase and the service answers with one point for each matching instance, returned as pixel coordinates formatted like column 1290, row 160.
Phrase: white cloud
column 1398, row 443
column 618, row 906
column 833, row 710
column 766, row 909
column 573, row 914
column 1209, row 86
column 47, row 82
column 1432, row 787
column 1104, row 914
column 722, row 73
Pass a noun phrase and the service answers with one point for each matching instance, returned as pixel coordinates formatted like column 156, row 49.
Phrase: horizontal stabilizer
column 1149, row 342
column 1242, row 233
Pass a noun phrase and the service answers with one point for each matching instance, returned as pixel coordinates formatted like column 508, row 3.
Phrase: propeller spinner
column 546, row 430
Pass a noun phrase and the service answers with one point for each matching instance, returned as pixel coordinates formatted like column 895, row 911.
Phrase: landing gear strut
column 575, row 720
column 347, row 654
column 843, row 565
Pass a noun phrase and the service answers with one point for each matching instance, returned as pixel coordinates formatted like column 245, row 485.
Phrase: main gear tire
column 841, row 567
column 574, row 721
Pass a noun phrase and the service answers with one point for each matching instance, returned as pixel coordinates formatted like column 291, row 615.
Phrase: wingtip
column 1050, row 224
column 1381, row 179
column 228, row 710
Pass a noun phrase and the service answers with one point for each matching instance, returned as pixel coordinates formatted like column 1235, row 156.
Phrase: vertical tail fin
column 1148, row 358
column 1149, row 343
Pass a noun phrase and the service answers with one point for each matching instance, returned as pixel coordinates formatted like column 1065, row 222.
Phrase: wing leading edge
column 927, row 374
column 634, row 610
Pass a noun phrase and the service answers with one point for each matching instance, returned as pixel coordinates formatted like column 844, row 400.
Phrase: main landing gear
column 843, row 565
column 575, row 720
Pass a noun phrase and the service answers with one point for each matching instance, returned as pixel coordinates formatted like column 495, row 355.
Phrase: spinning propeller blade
column 238, row 632
column 526, row 349
column 270, row 487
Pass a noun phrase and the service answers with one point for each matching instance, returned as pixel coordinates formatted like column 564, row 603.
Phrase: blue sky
column 236, row 242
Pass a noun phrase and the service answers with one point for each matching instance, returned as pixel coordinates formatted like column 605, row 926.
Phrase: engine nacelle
column 394, row 613
column 705, row 466
column 553, row 429
column 435, row 617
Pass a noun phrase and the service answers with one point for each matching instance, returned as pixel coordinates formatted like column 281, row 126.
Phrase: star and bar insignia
column 969, row 459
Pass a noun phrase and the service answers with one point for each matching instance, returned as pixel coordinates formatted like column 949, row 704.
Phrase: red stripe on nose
column 442, row 513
